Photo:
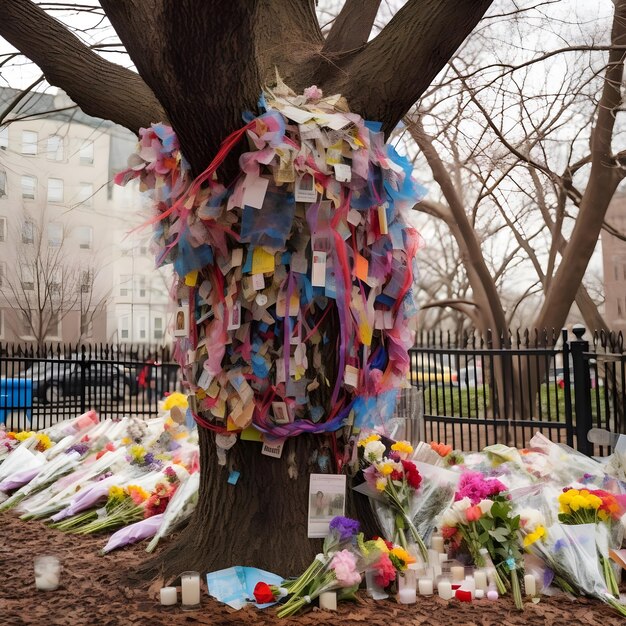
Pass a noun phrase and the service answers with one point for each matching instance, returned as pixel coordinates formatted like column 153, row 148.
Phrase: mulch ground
column 96, row 590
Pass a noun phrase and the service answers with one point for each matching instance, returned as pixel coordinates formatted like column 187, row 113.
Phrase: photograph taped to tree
column 327, row 496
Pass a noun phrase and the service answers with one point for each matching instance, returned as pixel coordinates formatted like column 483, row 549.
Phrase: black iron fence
column 42, row 385
column 484, row 390
column 476, row 390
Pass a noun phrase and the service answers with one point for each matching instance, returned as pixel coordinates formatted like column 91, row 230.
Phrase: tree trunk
column 207, row 62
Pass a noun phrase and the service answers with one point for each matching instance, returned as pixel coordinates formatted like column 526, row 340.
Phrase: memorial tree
column 245, row 251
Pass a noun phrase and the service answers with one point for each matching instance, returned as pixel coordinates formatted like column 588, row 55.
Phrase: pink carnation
column 476, row 487
column 344, row 566
column 313, row 93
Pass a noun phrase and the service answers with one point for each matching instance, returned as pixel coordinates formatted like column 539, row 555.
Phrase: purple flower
column 345, row 527
column 81, row 448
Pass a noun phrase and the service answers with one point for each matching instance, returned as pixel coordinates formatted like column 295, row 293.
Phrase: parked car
column 471, row 377
column 432, row 373
column 53, row 380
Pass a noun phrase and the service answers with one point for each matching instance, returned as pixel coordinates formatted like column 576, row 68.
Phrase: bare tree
column 200, row 64
column 47, row 284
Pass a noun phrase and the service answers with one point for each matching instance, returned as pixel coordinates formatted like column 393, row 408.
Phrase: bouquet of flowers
column 396, row 480
column 599, row 509
column 393, row 561
column 482, row 518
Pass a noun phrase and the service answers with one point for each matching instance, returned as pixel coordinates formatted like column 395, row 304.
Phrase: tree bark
column 99, row 87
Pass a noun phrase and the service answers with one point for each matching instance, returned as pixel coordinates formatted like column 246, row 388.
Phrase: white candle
column 408, row 579
column 480, row 578
column 425, row 586
column 407, row 596
column 47, row 573
column 443, row 557
column 169, row 596
column 469, row 585
column 374, row 591
column 458, row 573
column 190, row 589
column 435, row 563
column 530, row 585
column 436, row 543
column 480, row 594
column 444, row 589
column 328, row 600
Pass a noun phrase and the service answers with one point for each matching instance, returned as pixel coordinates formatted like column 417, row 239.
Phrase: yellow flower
column 381, row 545
column 381, row 483
column 137, row 493
column 385, row 468
column 137, row 451
column 126, row 441
column 175, row 399
column 403, row 447
column 24, row 434
column 537, row 534
column 370, row 438
column 603, row 515
column 44, row 442
column 116, row 492
column 578, row 502
column 402, row 555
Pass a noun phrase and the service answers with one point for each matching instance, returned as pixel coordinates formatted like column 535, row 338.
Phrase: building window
column 619, row 308
column 86, row 153
column 125, row 285
column 54, row 148
column 55, row 281
column 28, row 278
column 55, row 234
column 143, row 333
column 85, row 237
column 85, row 194
column 85, row 281
column 28, row 232
column 29, row 184
column 3, row 183
column 4, row 137
column 55, row 190
column 141, row 286
column 158, row 328
column 29, row 143
column 124, row 327
column 1, row 324
column 3, row 271
column 3, row 229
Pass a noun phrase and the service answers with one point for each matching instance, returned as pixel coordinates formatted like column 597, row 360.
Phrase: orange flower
column 441, row 449
column 473, row 513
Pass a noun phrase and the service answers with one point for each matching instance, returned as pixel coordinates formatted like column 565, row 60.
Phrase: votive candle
column 169, row 596
column 328, row 600
column 190, row 589
column 407, row 596
column 480, row 578
column 444, row 589
column 458, row 573
column 425, row 586
column 436, row 543
column 530, row 585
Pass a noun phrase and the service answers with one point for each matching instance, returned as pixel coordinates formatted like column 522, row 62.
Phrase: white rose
column 462, row 505
column 485, row 506
column 450, row 518
column 374, row 451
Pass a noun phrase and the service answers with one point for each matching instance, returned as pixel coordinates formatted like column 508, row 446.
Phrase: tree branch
column 352, row 27
column 101, row 88
column 418, row 41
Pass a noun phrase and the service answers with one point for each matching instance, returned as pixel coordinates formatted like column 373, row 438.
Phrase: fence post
column 83, row 366
column 582, row 391
column 567, row 390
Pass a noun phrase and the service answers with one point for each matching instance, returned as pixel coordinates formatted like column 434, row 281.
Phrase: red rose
column 396, row 475
column 263, row 594
column 413, row 477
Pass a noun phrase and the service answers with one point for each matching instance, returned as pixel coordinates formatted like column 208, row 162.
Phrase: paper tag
column 258, row 282
column 254, row 191
column 299, row 263
column 343, row 172
column 205, row 379
column 305, row 189
column 273, row 448
column 354, row 217
column 181, row 323
column 236, row 258
column 226, row 442
column 234, row 316
column 382, row 220
column 318, row 275
column 262, row 261
column 351, row 376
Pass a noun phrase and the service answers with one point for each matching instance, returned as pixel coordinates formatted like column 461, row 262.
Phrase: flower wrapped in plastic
column 482, row 518
column 394, row 479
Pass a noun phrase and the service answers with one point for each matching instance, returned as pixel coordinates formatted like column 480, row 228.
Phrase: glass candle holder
column 190, row 590
column 47, row 572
